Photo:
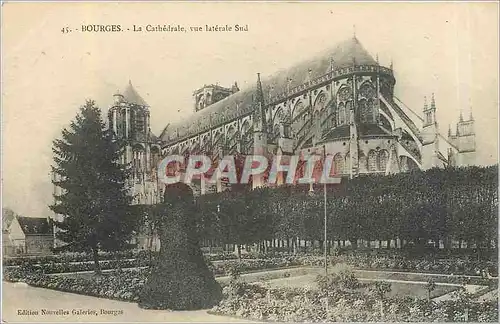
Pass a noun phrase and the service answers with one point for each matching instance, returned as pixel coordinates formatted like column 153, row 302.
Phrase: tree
column 94, row 202
column 180, row 278
column 431, row 285
column 8, row 216
column 380, row 289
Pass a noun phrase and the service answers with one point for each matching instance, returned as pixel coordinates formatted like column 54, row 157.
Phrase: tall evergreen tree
column 94, row 202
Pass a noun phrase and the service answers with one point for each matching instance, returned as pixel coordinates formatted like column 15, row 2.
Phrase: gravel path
column 18, row 297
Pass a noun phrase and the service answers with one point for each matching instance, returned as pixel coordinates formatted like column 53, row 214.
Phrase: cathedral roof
column 344, row 54
column 132, row 96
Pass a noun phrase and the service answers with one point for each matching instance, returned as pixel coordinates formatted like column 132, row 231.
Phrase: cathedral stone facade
column 341, row 103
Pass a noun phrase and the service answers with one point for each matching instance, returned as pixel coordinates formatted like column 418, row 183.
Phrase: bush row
column 106, row 256
column 76, row 257
column 219, row 268
column 229, row 266
column 255, row 261
column 447, row 266
column 52, row 267
column 120, row 285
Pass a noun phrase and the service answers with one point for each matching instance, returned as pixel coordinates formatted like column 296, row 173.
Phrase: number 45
column 65, row 30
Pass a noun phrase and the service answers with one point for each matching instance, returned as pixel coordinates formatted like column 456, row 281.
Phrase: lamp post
column 325, row 237
column 324, row 202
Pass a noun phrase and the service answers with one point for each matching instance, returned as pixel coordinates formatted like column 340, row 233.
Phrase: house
column 30, row 235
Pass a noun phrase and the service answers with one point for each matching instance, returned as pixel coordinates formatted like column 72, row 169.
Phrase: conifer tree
column 94, row 202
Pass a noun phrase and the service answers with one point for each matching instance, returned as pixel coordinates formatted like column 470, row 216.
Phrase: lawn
column 398, row 289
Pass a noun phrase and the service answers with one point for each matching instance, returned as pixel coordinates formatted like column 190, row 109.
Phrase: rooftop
column 132, row 96
column 345, row 54
column 32, row 225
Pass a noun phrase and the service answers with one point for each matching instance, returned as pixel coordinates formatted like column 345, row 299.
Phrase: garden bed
column 398, row 289
column 287, row 304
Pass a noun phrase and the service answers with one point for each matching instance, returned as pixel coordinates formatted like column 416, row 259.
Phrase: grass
column 398, row 289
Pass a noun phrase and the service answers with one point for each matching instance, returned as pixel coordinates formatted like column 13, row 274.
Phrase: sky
column 450, row 49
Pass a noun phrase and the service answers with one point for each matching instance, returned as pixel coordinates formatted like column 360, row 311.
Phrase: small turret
column 260, row 129
column 430, row 138
column 466, row 140
column 212, row 93
column 430, row 112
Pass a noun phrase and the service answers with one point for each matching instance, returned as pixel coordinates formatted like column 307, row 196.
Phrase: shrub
column 343, row 279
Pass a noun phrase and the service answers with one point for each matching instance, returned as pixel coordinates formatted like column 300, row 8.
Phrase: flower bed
column 120, row 285
column 302, row 305
column 219, row 268
column 52, row 267
column 226, row 267
column 106, row 256
column 447, row 266
column 77, row 257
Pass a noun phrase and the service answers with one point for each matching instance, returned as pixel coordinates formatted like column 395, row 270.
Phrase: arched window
column 276, row 130
column 363, row 110
column 370, row 108
column 299, row 107
column 246, row 138
column 338, row 164
column 155, row 156
column 383, row 157
column 232, row 140
column 367, row 90
column 348, row 107
column 372, row 161
column 341, row 115
column 345, row 93
column 298, row 117
column 320, row 102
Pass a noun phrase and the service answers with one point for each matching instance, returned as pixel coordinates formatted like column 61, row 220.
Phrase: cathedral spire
column 260, row 112
column 260, row 93
column 433, row 102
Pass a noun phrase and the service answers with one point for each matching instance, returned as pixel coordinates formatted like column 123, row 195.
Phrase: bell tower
column 129, row 118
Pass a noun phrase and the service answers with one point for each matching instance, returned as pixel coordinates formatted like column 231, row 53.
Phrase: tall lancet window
column 344, row 98
column 348, row 107
column 363, row 111
column 370, row 108
column 347, row 162
column 383, row 157
column 363, row 167
column 372, row 161
column 367, row 93
column 341, row 115
column 298, row 117
column 338, row 164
